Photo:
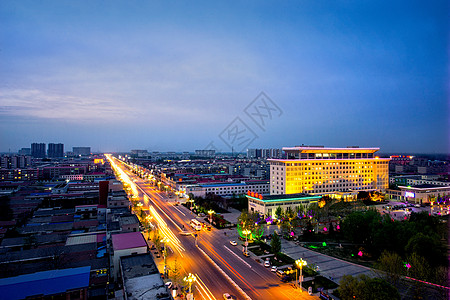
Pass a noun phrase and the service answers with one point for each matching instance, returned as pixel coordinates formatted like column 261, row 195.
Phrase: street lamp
column 300, row 263
column 190, row 279
column 246, row 232
column 210, row 212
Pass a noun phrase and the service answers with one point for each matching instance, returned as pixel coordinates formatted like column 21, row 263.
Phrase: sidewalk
column 329, row 267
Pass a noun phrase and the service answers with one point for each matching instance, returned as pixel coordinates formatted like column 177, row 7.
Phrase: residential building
column 125, row 244
column 70, row 283
column 227, row 189
column 55, row 150
column 320, row 170
column 15, row 162
column 139, row 153
column 24, row 151
column 38, row 150
column 141, row 278
column 205, row 153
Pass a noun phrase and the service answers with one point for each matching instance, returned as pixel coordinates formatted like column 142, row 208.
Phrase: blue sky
column 121, row 75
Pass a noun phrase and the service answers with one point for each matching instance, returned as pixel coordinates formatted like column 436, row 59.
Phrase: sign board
column 410, row 195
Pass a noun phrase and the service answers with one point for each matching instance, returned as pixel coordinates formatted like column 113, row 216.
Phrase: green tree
column 275, row 243
column 279, row 212
column 176, row 271
column 392, row 266
column 427, row 246
column 366, row 288
column 289, row 213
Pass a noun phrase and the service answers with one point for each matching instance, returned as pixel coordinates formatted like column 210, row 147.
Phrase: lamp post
column 210, row 212
column 300, row 263
column 190, row 279
column 246, row 232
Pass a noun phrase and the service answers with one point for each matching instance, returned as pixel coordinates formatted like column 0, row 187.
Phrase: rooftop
column 315, row 149
column 142, row 279
column 44, row 283
column 284, row 197
column 128, row 240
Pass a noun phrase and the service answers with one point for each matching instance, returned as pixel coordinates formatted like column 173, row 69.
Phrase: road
column 219, row 267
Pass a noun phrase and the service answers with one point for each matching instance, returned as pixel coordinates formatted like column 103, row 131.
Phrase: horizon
column 225, row 76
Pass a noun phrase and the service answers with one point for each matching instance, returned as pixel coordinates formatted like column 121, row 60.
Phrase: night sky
column 122, row 75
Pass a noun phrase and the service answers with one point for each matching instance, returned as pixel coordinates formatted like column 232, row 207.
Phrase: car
column 227, row 296
column 280, row 273
column 233, row 243
column 274, row 269
column 286, row 278
column 246, row 253
column 267, row 263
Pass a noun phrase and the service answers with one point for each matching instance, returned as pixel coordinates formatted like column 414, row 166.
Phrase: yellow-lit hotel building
column 321, row 170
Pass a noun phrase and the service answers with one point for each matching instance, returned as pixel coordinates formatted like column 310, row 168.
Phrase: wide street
column 219, row 267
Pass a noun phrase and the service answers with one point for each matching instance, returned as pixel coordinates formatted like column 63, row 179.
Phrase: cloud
column 50, row 105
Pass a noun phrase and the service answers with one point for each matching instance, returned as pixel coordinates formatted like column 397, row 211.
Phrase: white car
column 274, row 269
column 267, row 264
column 233, row 243
column 227, row 296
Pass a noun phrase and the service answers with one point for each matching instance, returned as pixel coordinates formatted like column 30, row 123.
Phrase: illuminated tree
column 176, row 271
column 279, row 212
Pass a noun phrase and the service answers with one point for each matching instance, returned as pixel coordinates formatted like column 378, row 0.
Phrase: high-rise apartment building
column 55, row 150
column 38, row 150
column 320, row 170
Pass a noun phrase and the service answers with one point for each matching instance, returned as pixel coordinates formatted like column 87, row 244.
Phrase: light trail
column 203, row 289
column 236, row 273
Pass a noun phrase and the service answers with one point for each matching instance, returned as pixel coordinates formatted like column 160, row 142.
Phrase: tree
column 156, row 239
column 392, row 266
column 366, row 288
column 176, row 271
column 275, row 243
column 289, row 213
column 279, row 212
column 428, row 247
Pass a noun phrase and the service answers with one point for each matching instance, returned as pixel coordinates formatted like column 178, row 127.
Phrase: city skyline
column 174, row 77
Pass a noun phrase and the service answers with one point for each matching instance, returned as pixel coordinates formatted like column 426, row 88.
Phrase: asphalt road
column 223, row 266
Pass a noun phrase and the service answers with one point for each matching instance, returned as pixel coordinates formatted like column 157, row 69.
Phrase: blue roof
column 45, row 283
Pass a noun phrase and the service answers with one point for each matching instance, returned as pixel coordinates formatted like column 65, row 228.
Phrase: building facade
column 226, row 189
column 267, row 204
column 38, row 150
column 81, row 151
column 320, row 170
column 55, row 150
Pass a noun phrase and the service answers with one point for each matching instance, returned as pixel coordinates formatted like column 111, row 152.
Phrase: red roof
column 128, row 240
column 100, row 237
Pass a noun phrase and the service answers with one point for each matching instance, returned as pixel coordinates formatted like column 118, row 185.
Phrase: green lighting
column 324, row 244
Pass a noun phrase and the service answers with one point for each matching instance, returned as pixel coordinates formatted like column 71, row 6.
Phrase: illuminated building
column 320, row 170
column 267, row 204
